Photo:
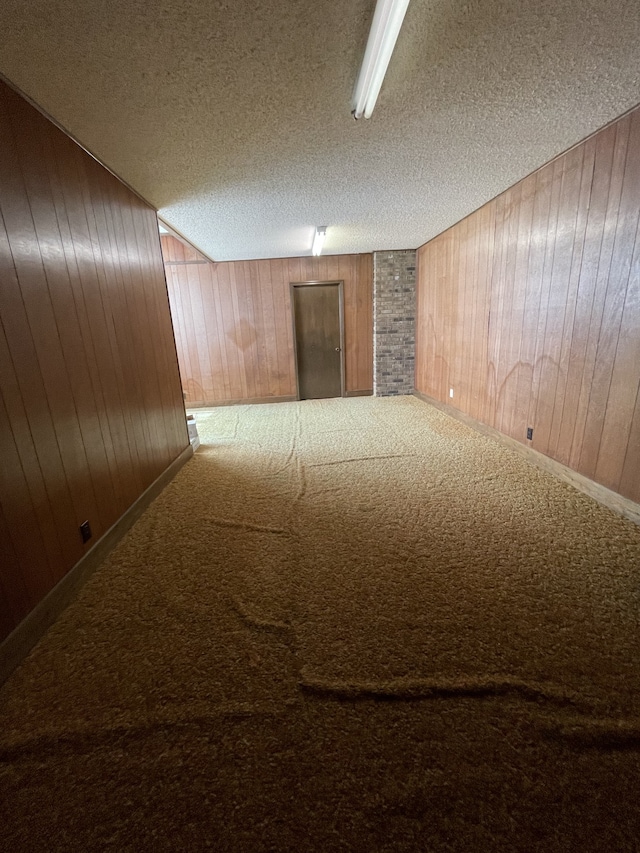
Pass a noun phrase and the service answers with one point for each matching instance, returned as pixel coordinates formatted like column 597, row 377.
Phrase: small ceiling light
column 387, row 20
column 318, row 239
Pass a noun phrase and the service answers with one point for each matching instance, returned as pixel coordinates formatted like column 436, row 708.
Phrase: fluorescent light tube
column 318, row 239
column 387, row 20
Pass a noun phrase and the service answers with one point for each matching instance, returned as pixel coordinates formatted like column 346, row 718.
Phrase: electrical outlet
column 85, row 531
column 451, row 392
column 529, row 433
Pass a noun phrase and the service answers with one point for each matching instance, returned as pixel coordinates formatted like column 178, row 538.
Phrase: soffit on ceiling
column 233, row 119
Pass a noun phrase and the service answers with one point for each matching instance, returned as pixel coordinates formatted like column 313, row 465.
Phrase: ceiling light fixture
column 387, row 20
column 318, row 239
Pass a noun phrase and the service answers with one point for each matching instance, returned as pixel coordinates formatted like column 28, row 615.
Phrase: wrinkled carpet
column 346, row 625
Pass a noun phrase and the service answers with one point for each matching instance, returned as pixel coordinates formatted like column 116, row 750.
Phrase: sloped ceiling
column 233, row 118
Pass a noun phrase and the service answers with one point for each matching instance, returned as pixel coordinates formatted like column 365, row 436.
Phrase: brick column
column 394, row 322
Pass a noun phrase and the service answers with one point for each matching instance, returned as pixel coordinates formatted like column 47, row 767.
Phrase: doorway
column 318, row 324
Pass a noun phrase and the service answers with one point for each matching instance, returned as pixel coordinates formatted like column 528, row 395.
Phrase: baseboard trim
column 259, row 400
column 19, row 643
column 614, row 501
column 213, row 404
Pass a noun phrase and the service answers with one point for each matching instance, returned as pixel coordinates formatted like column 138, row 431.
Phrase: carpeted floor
column 347, row 625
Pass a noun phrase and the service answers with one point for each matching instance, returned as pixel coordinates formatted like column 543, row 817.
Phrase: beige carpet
column 345, row 625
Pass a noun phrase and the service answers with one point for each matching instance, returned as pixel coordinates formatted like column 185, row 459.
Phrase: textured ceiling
column 233, row 118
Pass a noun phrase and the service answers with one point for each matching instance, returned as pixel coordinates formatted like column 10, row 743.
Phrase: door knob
column 338, row 349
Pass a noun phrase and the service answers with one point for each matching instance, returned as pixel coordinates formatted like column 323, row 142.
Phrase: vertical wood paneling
column 530, row 310
column 90, row 401
column 496, row 312
column 510, row 293
column 564, row 391
column 608, row 303
column 21, row 542
column 619, row 350
column 234, row 329
column 487, row 244
column 515, row 418
column 14, row 599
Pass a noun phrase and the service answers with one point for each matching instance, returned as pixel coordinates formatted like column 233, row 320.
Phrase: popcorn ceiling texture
column 394, row 322
column 234, row 118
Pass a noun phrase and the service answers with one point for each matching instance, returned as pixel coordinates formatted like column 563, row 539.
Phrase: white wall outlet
column 451, row 392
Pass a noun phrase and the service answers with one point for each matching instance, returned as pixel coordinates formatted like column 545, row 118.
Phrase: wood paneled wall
column 530, row 310
column 91, row 408
column 234, row 329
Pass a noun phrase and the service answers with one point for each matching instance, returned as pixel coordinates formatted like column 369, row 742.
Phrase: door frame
column 340, row 283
